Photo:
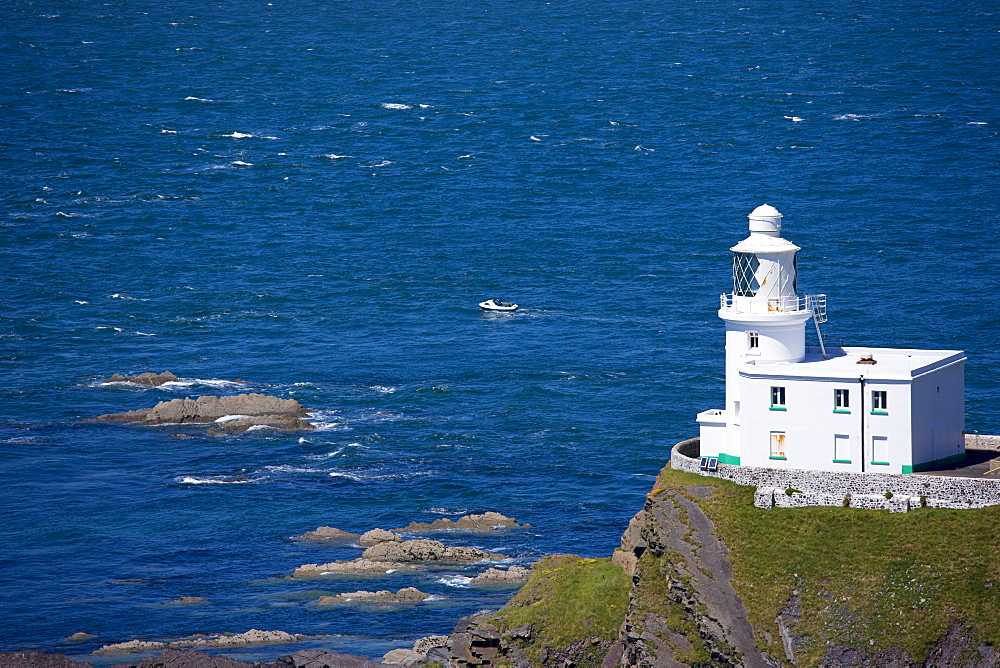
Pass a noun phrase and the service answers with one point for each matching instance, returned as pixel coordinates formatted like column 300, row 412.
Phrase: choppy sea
column 309, row 198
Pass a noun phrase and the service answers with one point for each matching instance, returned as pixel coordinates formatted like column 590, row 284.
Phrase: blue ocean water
column 309, row 198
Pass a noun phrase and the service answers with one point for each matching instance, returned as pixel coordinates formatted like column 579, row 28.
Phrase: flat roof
column 890, row 363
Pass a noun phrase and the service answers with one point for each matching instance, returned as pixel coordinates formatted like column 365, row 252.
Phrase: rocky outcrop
column 329, row 535
column 354, row 566
column 251, row 637
column 425, row 551
column 317, row 658
column 252, row 409
column 376, row 536
column 149, row 379
column 495, row 576
column 39, row 660
column 485, row 522
column 240, row 425
column 404, row 595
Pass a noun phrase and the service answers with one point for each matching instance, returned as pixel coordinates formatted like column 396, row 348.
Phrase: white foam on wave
column 323, row 455
column 334, row 156
column 117, row 329
column 288, row 468
column 384, row 389
column 380, row 163
column 445, row 511
column 976, row 123
column 168, row 132
column 455, row 581
column 395, row 105
column 793, row 119
column 192, row 98
column 215, row 480
column 239, row 135
column 241, row 163
column 144, row 333
column 230, row 418
column 852, row 117
column 186, row 383
column 78, row 301
column 119, row 295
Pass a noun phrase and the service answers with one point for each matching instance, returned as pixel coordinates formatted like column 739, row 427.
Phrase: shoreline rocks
column 488, row 521
column 253, row 409
column 494, row 576
column 404, row 595
column 251, row 637
column 329, row 534
column 422, row 550
column 376, row 536
column 149, row 379
column 359, row 566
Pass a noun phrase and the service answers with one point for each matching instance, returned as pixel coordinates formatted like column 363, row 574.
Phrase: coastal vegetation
column 568, row 599
column 863, row 578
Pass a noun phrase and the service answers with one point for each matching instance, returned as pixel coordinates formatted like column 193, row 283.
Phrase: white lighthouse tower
column 840, row 409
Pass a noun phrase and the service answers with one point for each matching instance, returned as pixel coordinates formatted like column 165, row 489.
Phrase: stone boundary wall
column 982, row 442
column 895, row 492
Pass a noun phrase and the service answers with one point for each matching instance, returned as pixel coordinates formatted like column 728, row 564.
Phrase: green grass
column 864, row 577
column 568, row 598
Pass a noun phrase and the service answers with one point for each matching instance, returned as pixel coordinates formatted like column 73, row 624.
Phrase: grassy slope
column 866, row 578
column 568, row 598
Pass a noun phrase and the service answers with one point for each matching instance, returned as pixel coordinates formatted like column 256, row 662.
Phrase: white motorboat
column 497, row 305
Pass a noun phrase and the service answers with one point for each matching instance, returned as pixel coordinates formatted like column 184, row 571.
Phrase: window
column 777, row 398
column 753, row 340
column 880, row 403
column 841, row 449
column 841, row 401
column 880, row 450
column 745, row 274
column 778, row 445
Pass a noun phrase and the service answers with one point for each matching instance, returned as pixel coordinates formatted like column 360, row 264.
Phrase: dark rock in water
column 425, row 550
column 404, row 595
column 189, row 658
column 329, row 535
column 253, row 409
column 39, row 660
column 485, row 522
column 149, row 378
column 317, row 658
column 376, row 536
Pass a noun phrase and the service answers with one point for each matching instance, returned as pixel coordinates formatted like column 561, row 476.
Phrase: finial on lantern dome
column 765, row 219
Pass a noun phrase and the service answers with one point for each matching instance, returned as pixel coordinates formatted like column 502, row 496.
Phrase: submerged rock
column 355, row 566
column 404, row 595
column 425, row 550
column 329, row 534
column 485, row 522
column 148, row 378
column 253, row 409
column 495, row 576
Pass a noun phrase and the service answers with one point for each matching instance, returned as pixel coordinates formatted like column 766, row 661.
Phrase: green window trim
column 778, row 408
column 880, row 412
column 841, row 461
column 841, row 410
column 880, row 464
column 776, row 457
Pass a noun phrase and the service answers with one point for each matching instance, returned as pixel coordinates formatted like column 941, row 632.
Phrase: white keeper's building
column 878, row 410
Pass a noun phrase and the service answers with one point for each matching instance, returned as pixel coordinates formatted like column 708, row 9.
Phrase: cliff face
column 716, row 581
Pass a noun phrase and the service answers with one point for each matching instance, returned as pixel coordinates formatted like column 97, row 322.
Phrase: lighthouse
column 789, row 405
